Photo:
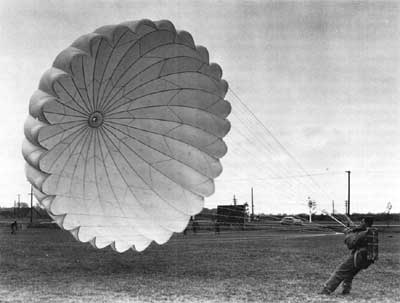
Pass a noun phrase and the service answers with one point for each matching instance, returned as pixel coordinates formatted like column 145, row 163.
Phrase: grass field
column 48, row 265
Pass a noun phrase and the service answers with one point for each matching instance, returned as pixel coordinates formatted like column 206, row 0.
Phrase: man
column 363, row 242
column 14, row 227
column 216, row 226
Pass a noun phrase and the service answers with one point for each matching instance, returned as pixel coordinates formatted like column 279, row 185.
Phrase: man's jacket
column 363, row 244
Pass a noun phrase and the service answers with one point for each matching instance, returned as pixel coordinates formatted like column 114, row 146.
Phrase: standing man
column 363, row 242
column 14, row 227
column 216, row 226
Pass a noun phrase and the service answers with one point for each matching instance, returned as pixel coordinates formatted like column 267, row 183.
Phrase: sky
column 314, row 89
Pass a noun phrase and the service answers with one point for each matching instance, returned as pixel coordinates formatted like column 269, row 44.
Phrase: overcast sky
column 321, row 76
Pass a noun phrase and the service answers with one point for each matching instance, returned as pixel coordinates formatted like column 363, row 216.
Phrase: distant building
column 232, row 214
column 23, row 205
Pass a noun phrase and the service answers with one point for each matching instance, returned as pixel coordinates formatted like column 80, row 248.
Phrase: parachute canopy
column 124, row 134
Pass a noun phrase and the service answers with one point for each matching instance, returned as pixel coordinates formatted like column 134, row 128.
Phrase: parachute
column 125, row 134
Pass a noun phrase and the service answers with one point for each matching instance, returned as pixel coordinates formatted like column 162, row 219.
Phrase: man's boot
column 346, row 288
column 325, row 291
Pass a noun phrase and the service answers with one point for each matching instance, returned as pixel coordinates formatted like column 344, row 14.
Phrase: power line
column 287, row 177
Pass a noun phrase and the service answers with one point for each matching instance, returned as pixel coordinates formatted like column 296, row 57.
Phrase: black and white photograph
column 200, row 151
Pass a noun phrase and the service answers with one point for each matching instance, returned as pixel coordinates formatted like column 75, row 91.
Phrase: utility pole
column 348, row 192
column 310, row 204
column 234, row 200
column 333, row 207
column 19, row 205
column 252, row 205
column 31, row 194
column 388, row 208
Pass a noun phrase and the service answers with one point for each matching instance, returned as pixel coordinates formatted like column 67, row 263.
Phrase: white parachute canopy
column 124, row 134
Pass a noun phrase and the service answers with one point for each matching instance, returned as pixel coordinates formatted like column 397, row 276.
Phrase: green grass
column 48, row 265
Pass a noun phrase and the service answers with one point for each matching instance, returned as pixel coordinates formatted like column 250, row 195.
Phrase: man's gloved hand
column 347, row 230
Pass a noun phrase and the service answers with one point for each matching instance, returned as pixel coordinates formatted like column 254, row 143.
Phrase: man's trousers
column 345, row 273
